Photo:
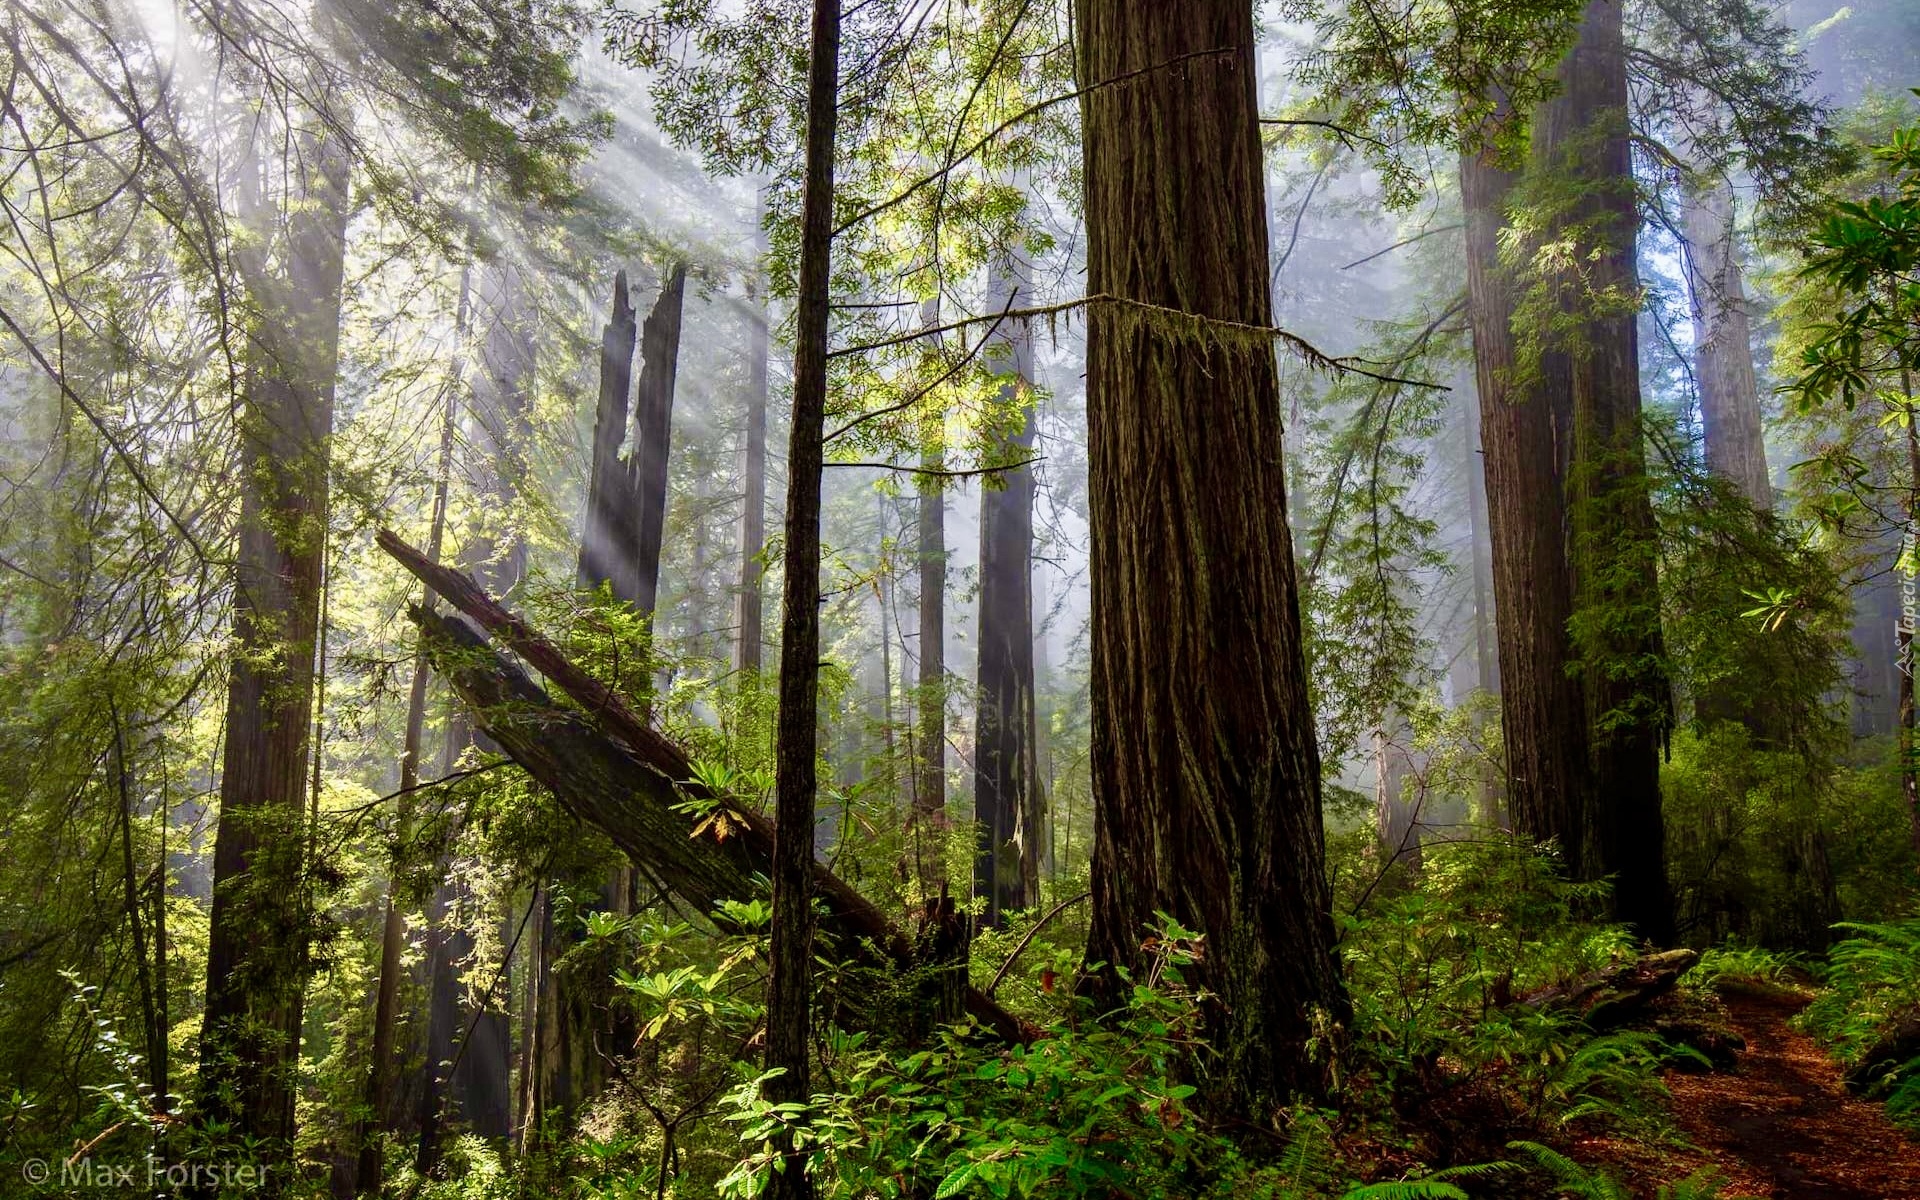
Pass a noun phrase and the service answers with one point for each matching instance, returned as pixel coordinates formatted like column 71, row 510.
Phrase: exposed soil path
column 1781, row 1125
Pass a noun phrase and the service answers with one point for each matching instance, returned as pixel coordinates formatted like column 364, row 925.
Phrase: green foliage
column 1867, row 253
column 1870, row 988
column 1578, row 1182
column 1088, row 1109
column 1737, row 963
column 1439, row 969
column 1772, row 846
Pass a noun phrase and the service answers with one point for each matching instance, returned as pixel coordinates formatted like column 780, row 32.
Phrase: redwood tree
column 1206, row 776
column 257, row 932
column 1006, row 790
column 1582, row 138
column 1523, row 455
column 790, row 982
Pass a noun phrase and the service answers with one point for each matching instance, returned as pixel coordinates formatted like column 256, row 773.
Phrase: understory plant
column 1453, row 970
column 1868, row 1013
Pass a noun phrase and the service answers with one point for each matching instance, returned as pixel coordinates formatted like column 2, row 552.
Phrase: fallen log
column 1613, row 997
column 611, row 769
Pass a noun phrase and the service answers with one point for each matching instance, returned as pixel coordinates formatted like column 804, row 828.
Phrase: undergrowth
column 1868, row 1013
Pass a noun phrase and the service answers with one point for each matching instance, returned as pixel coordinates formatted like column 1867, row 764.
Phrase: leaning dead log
column 611, row 769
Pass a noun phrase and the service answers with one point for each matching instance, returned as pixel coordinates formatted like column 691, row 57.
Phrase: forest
column 924, row 599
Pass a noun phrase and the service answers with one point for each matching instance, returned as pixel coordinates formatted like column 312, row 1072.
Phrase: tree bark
column 753, row 470
column 1723, row 344
column 606, row 542
column 257, row 938
column 1006, row 784
column 930, row 760
column 1525, row 439
column 632, row 782
column 790, row 979
column 1582, row 136
column 1206, row 777
column 653, row 436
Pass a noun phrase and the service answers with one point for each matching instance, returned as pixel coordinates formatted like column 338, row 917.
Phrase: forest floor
column 1780, row 1126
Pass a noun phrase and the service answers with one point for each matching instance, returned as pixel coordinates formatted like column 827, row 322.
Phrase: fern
column 1407, row 1189
column 1582, row 1182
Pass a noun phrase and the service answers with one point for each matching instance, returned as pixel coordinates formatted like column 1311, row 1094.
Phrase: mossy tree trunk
column 790, row 979
column 1582, row 137
column 1206, row 775
column 257, row 938
column 1525, row 448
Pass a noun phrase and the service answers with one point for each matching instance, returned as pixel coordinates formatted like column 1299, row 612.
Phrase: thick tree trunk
column 1206, row 777
column 257, row 938
column 1723, row 345
column 790, row 979
column 1525, row 439
column 1006, row 785
column 753, row 473
column 1582, row 135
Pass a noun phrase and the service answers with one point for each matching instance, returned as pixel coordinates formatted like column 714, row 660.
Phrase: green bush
column 1871, row 986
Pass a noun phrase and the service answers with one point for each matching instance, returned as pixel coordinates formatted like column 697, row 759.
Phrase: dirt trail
column 1783, row 1127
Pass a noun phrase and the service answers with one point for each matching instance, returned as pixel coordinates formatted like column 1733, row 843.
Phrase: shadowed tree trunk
column 1206, row 777
column 653, row 435
column 753, row 471
column 1524, row 439
column 930, row 759
column 606, row 554
column 257, row 937
column 790, row 978
column 1006, row 793
column 619, row 548
column 1582, row 135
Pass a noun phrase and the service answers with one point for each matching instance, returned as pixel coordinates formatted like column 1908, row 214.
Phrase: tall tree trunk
column 653, row 435
column 1206, row 777
column 1909, row 738
column 606, row 554
column 1723, row 344
column 790, row 982
column 753, row 471
column 1006, row 784
column 381, row 1069
column 930, row 759
column 1485, row 655
column 620, row 548
column 477, row 1089
column 1525, row 444
column 257, row 937
column 1582, row 135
